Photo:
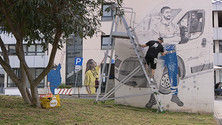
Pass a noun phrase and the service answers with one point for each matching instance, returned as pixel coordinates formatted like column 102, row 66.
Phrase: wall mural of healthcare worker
column 54, row 76
column 188, row 42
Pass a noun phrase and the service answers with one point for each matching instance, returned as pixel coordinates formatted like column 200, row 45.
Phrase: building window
column 220, row 46
column 31, row 50
column 28, row 50
column 104, row 75
column 35, row 73
column 215, row 76
column 111, row 73
column 213, row 19
column 39, row 50
column 105, row 41
column 107, row 15
column 219, row 19
column 10, row 82
column 220, row 78
column 11, row 50
column 2, row 77
column 74, row 48
column 214, row 47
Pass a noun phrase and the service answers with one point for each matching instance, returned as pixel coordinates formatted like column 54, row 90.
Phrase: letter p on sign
column 78, row 61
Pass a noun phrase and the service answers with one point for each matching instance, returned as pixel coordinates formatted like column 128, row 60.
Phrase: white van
column 193, row 50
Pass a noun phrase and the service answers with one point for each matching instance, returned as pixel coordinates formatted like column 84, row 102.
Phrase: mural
column 92, row 76
column 188, row 44
column 54, row 76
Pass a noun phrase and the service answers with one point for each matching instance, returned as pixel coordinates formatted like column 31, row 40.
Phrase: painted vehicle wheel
column 164, row 86
column 181, row 69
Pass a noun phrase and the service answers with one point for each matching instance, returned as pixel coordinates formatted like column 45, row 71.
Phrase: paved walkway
column 83, row 96
column 218, row 109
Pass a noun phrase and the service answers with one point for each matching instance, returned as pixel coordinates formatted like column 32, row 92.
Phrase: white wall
column 195, row 77
column 8, row 39
column 32, row 61
column 92, row 50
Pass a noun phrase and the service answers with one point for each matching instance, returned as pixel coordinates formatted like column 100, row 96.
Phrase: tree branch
column 10, row 22
column 51, row 59
column 21, row 56
column 9, row 71
column 4, row 51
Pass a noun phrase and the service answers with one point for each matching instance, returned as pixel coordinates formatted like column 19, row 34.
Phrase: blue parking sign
column 78, row 61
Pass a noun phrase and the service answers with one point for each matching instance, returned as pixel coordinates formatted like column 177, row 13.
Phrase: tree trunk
column 24, row 94
column 29, row 94
column 23, row 86
column 34, row 92
column 35, row 98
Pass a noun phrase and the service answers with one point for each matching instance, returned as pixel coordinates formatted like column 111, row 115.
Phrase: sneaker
column 151, row 79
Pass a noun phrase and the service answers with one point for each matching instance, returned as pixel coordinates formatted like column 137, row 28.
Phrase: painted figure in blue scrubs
column 54, row 76
column 170, row 60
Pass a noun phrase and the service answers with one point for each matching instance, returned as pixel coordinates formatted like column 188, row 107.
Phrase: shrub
column 63, row 86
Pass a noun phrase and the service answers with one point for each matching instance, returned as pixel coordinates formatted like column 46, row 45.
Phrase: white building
column 195, row 74
column 217, row 37
column 36, row 60
column 183, row 76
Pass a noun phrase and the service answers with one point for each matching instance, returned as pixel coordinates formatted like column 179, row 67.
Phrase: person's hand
column 140, row 45
column 49, row 90
column 155, row 60
column 62, row 56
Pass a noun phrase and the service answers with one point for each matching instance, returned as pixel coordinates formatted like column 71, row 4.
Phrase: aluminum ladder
column 129, row 34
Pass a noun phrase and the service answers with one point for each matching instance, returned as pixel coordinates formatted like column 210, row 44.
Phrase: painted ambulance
column 193, row 50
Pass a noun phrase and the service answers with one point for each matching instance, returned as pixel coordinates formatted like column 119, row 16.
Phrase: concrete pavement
column 83, row 96
column 218, row 109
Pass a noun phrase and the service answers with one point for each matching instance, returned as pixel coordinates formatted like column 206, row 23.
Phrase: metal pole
column 74, row 78
column 76, row 83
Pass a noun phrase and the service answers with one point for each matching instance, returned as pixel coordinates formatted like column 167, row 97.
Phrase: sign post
column 78, row 67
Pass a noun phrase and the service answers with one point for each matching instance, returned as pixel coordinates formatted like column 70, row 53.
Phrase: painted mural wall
column 185, row 75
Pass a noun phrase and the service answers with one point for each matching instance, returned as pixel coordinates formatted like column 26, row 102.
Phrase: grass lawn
column 84, row 112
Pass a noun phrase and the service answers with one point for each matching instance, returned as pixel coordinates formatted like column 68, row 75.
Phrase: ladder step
column 109, row 56
column 106, row 76
column 120, row 35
